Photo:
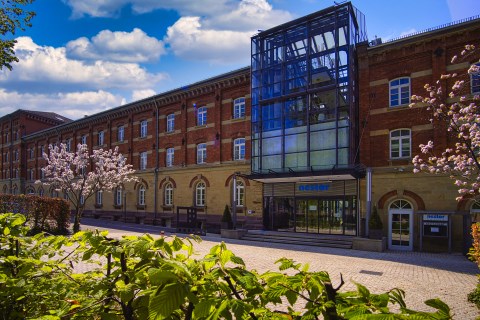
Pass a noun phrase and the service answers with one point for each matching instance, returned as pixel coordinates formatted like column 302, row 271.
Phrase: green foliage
column 474, row 296
column 227, row 216
column 51, row 215
column 159, row 278
column 12, row 17
column 375, row 221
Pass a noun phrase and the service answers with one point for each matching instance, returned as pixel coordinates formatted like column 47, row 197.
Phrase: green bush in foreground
column 147, row 278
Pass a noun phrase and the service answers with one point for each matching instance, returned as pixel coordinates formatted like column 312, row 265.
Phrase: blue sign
column 313, row 187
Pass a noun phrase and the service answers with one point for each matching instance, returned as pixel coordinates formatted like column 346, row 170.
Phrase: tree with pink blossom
column 460, row 111
column 68, row 172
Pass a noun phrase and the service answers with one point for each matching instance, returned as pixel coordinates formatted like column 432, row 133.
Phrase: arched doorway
column 400, row 225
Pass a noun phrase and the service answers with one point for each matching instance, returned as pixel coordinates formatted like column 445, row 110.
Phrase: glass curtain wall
column 303, row 92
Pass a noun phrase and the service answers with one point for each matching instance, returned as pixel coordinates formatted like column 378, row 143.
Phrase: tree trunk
column 76, row 222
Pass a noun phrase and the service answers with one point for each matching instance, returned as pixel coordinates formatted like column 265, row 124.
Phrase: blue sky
column 85, row 56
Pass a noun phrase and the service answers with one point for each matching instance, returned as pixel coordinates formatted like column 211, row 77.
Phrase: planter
column 233, row 234
column 226, row 225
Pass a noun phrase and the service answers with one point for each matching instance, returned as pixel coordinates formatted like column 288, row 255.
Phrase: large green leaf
column 167, row 300
column 158, row 277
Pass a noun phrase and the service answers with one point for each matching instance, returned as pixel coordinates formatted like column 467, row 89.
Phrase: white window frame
column 68, row 144
column 101, row 138
column 475, row 81
column 202, row 116
column 83, row 139
column 143, row 128
column 201, row 153
column 99, row 197
column 143, row 160
column 120, row 133
column 402, row 154
column 82, row 199
column 200, row 197
column 240, row 194
column 170, row 157
column 141, row 195
column 239, row 149
column 171, row 122
column 32, row 174
column 399, row 89
column 118, row 196
column 239, row 108
column 168, row 198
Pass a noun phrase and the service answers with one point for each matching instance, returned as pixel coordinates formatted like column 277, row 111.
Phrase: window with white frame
column 202, row 116
column 400, row 143
column 68, row 145
column 42, row 151
column 141, row 195
column 171, row 122
column 83, row 139
column 143, row 129
column 170, row 157
column 475, row 79
column 82, row 199
column 118, row 196
column 32, row 174
column 200, row 194
column 99, row 198
column 239, row 108
column 120, row 133
column 239, row 149
column 143, row 160
column 168, row 195
column 42, row 173
column 101, row 138
column 201, row 153
column 240, row 194
column 399, row 92
column 32, row 153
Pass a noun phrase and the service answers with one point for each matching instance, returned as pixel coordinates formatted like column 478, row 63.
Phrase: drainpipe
column 369, row 200
column 155, row 182
column 234, row 202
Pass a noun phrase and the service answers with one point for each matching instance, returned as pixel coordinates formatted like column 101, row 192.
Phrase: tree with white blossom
column 460, row 111
column 68, row 172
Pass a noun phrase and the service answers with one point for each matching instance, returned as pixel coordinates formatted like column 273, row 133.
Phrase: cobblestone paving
column 423, row 276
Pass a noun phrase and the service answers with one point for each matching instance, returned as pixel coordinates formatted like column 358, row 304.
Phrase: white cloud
column 141, row 94
column 47, row 68
column 72, row 105
column 135, row 46
column 225, row 38
column 407, row 32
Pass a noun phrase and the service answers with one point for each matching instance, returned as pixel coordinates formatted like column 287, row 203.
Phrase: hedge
column 51, row 215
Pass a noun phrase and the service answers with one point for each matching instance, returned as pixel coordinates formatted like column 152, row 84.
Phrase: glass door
column 301, row 216
column 312, row 216
column 400, row 223
column 336, row 216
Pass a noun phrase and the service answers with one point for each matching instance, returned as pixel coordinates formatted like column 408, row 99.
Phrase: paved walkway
column 423, row 276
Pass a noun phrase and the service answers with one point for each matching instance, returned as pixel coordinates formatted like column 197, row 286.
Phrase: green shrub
column 474, row 296
column 227, row 216
column 375, row 221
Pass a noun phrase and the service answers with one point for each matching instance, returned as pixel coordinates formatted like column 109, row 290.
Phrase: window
column 143, row 160
column 7, row 137
column 15, row 155
column 17, row 175
column 118, row 196
column 143, row 129
column 32, row 174
column 82, row 199
column 201, row 153
column 475, row 211
column 171, row 122
column 101, row 138
column 202, row 116
column 169, row 194
column 239, row 149
column 200, row 194
column 7, row 156
column 42, row 150
column 120, row 133
column 99, row 198
column 475, row 79
column 400, row 143
column 141, row 195
column 32, row 153
column 239, row 108
column 83, row 139
column 170, row 157
column 399, row 92
column 240, row 194
column 15, row 135
column 68, row 145
column 30, row 191
column 42, row 173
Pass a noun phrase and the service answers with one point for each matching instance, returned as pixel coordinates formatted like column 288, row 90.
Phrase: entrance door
column 400, row 226
column 312, row 216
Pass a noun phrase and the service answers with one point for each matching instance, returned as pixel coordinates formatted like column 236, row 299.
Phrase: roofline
column 430, row 31
column 145, row 100
column 32, row 113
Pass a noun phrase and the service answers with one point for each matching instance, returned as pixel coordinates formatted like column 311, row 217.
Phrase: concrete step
column 331, row 241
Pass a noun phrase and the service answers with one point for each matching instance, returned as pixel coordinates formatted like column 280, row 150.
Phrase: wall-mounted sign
column 435, row 217
column 313, row 187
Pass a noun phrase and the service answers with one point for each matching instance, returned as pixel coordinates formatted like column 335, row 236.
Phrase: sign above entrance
column 435, row 217
column 314, row 187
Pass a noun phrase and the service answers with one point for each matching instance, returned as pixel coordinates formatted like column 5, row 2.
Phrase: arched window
column 400, row 204
column 141, row 195
column 400, row 143
column 200, row 194
column 475, row 211
column 168, row 200
column 30, row 191
column 400, row 92
column 240, row 194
